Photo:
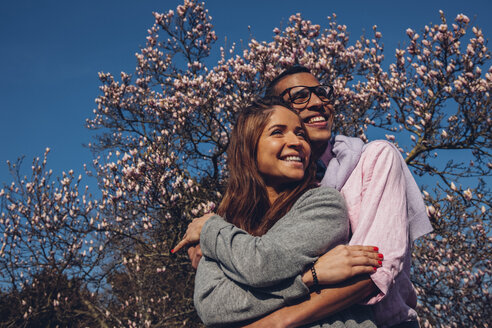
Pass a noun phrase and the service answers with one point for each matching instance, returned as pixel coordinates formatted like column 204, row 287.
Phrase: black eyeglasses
column 302, row 94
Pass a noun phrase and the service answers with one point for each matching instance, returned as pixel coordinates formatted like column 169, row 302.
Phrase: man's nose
column 315, row 101
column 329, row 108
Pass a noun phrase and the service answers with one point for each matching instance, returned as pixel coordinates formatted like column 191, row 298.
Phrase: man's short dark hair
column 270, row 90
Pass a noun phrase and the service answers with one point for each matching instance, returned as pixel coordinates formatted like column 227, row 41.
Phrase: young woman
column 274, row 223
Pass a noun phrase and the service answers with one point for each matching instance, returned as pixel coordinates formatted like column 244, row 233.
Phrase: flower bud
column 468, row 194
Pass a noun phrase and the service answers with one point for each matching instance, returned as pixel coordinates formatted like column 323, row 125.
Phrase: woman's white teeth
column 292, row 158
column 316, row 119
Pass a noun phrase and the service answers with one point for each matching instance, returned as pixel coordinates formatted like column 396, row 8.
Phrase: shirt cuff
column 382, row 279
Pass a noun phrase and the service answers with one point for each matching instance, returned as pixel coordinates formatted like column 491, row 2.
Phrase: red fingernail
column 376, row 249
column 380, row 256
column 375, row 269
column 172, row 250
column 380, row 263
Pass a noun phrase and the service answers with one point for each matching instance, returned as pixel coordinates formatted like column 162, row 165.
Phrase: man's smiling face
column 316, row 114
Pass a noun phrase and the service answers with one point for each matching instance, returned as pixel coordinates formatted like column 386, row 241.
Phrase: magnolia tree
column 161, row 137
column 49, row 249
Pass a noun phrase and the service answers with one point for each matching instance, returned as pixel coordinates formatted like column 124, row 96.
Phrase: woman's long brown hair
column 246, row 203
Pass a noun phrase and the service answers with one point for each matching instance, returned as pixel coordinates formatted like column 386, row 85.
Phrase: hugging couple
column 312, row 231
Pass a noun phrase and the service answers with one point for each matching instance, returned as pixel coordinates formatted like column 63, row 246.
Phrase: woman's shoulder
column 321, row 194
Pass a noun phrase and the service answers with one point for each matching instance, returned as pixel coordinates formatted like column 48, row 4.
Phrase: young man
column 384, row 204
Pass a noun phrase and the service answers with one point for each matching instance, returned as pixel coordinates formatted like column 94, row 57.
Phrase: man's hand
column 192, row 235
column 344, row 262
column 195, row 254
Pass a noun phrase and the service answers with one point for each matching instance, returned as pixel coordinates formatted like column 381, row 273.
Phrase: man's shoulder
column 381, row 156
column 345, row 142
column 378, row 148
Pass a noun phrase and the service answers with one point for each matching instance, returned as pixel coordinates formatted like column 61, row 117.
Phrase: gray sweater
column 242, row 277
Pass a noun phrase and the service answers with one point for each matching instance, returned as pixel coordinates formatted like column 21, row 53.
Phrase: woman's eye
column 276, row 132
column 300, row 133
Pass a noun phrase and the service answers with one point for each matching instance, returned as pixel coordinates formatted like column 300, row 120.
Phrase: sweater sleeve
column 220, row 301
column 316, row 223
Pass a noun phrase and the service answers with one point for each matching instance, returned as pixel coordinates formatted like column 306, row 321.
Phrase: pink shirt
column 375, row 193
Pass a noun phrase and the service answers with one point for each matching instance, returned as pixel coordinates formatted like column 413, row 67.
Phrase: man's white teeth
column 316, row 119
column 292, row 158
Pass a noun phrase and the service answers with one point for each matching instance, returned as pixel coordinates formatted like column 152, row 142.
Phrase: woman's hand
column 344, row 262
column 192, row 235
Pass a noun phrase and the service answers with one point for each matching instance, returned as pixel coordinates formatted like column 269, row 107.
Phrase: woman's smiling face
column 283, row 150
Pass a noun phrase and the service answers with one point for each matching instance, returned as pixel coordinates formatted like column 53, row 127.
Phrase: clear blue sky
column 51, row 52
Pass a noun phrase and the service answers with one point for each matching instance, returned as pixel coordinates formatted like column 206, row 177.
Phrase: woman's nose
column 293, row 140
